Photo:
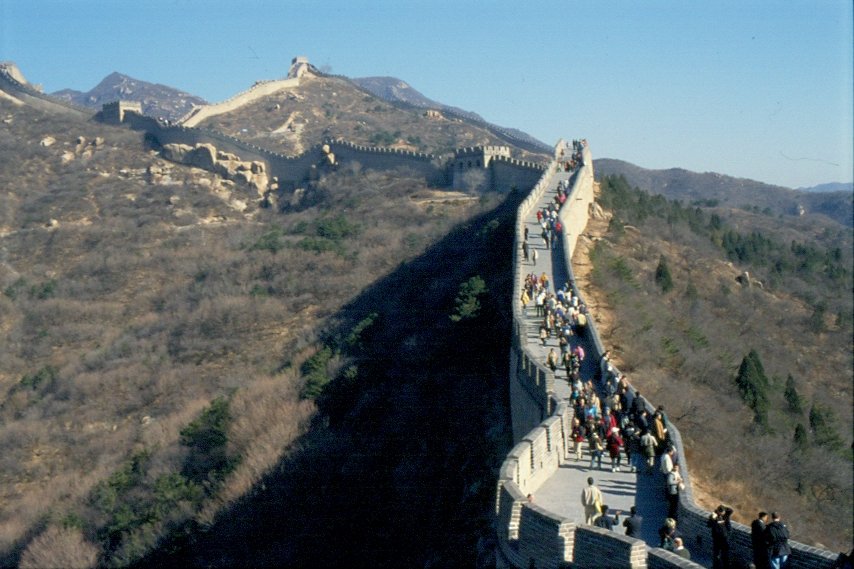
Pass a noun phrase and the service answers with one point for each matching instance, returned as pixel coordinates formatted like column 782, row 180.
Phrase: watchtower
column 114, row 112
column 475, row 158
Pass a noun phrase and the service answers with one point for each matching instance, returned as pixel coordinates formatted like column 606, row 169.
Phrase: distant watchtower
column 114, row 113
column 474, row 159
column 299, row 65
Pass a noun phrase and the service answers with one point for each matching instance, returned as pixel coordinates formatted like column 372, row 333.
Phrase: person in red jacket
column 615, row 445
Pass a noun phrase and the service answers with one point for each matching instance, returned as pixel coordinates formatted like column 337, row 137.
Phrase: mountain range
column 157, row 100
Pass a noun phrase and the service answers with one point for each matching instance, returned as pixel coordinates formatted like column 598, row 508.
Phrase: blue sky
column 756, row 89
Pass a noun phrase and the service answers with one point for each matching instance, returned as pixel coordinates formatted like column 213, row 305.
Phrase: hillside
column 710, row 188
column 662, row 282
column 157, row 100
column 394, row 90
column 292, row 120
column 156, row 324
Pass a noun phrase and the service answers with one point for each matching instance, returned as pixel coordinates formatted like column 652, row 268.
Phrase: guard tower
column 476, row 158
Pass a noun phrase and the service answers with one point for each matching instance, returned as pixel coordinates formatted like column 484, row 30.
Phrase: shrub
column 662, row 275
column 467, row 303
column 44, row 376
column 315, row 371
column 269, row 241
column 60, row 547
column 206, row 437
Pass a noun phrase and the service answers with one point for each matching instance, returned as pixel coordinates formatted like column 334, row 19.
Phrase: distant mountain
column 394, row 90
column 712, row 188
column 157, row 100
column 831, row 187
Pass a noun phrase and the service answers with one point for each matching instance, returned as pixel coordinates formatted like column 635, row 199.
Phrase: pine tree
column 662, row 275
column 800, row 439
column 793, row 398
column 823, row 427
column 752, row 383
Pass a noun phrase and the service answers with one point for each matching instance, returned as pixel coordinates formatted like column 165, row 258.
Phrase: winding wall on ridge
column 528, row 534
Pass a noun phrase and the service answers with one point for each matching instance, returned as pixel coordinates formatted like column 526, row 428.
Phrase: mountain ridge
column 711, row 187
column 157, row 100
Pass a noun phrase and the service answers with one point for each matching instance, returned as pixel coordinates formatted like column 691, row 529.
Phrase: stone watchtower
column 470, row 166
column 114, row 113
column 299, row 65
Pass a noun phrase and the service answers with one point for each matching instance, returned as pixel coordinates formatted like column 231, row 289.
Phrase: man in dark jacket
column 719, row 523
column 777, row 539
column 605, row 521
column 757, row 538
column 633, row 523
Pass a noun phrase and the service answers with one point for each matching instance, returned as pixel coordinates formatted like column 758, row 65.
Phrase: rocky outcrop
column 251, row 174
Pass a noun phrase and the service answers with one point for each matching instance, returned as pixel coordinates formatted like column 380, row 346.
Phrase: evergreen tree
column 467, row 303
column 823, row 427
column 662, row 275
column 752, row 383
column 793, row 398
column 800, row 439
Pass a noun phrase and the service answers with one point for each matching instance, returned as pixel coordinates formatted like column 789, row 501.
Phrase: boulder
column 176, row 152
column 221, row 155
column 203, row 156
column 47, row 141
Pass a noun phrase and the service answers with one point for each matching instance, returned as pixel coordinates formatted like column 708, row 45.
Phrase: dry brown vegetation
column 132, row 307
column 683, row 348
column 293, row 120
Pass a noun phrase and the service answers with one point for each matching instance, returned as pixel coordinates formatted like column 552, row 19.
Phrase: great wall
column 531, row 534
column 527, row 534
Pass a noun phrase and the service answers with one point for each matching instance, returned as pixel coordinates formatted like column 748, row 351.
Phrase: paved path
column 561, row 493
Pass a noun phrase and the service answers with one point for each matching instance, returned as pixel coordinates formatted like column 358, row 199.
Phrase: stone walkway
column 561, row 493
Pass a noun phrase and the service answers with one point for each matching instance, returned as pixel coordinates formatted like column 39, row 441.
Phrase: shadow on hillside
column 400, row 471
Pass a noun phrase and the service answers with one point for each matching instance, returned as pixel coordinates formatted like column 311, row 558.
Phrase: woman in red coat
column 615, row 445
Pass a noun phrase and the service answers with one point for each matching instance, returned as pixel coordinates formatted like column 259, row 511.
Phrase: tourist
column 757, row 539
column 591, row 499
column 777, row 540
column 673, row 487
column 680, row 549
column 633, row 523
column 605, row 521
column 721, row 528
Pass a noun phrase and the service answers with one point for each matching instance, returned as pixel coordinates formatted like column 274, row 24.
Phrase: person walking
column 591, row 499
column 525, row 250
column 757, row 539
column 648, row 444
column 777, row 540
column 551, row 360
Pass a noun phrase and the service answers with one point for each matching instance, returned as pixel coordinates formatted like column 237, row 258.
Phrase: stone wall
column 258, row 90
column 10, row 81
column 606, row 549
